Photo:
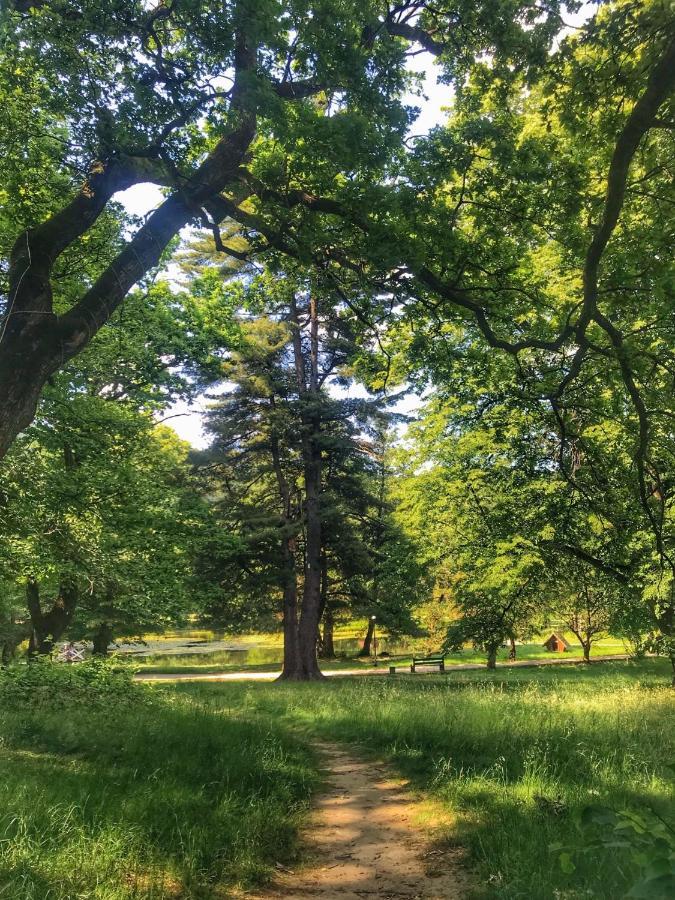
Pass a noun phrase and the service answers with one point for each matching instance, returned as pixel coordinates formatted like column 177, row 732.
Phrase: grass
column 203, row 788
column 179, row 798
column 266, row 657
column 514, row 757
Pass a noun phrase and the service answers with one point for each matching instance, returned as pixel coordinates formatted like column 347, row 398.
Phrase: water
column 228, row 652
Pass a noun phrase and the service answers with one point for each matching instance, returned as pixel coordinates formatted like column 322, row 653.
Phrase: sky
column 140, row 199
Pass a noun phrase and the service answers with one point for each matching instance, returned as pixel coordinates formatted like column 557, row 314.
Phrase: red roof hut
column 556, row 644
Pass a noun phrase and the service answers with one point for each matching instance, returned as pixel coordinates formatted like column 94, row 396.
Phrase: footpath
column 375, row 670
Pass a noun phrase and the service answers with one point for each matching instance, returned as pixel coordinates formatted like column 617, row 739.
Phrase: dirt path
column 383, row 670
column 368, row 838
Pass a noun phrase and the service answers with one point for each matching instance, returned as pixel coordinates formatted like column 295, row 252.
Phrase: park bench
column 433, row 659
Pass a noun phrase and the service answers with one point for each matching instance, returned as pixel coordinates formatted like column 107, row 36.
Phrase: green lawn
column 514, row 756
column 182, row 798
column 257, row 658
column 205, row 786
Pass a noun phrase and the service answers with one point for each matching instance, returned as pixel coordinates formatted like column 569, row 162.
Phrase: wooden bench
column 434, row 659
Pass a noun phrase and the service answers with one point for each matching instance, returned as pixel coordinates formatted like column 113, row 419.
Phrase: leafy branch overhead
column 513, row 265
column 142, row 101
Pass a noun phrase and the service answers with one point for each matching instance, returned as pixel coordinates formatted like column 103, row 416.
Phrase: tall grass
column 202, row 787
column 514, row 757
column 174, row 798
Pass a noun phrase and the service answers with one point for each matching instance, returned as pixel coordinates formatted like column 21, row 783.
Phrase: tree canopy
column 513, row 266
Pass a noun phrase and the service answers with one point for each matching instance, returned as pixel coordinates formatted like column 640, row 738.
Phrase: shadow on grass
column 515, row 756
column 151, row 801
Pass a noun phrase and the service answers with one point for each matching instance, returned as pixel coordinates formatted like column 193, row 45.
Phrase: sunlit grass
column 177, row 799
column 514, row 756
column 206, row 788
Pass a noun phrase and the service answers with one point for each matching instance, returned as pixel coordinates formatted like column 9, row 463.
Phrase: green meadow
column 193, row 791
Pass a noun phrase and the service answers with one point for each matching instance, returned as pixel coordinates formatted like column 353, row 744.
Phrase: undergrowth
column 114, row 791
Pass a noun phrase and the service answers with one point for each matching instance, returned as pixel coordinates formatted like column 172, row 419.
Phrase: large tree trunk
column 326, row 643
column 103, row 639
column 291, row 664
column 327, row 638
column 311, row 598
column 25, row 365
column 310, row 613
column 35, row 342
column 492, row 656
column 37, row 640
column 366, row 650
column 48, row 628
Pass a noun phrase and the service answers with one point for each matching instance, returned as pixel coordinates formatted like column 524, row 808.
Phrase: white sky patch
column 186, row 420
column 140, row 199
column 435, row 98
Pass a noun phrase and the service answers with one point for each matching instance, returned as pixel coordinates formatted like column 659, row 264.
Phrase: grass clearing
column 204, row 787
column 514, row 756
column 174, row 799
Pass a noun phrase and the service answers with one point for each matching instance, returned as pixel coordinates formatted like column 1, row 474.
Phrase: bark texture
column 35, row 342
column 366, row 650
column 492, row 656
column 102, row 639
column 305, row 667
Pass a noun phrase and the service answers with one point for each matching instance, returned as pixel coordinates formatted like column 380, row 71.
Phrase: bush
column 49, row 684
column 642, row 842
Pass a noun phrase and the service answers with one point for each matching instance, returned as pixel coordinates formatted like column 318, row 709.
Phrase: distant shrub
column 49, row 684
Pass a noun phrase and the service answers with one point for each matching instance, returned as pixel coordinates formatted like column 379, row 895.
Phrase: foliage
column 514, row 259
column 119, row 521
column 254, row 471
column 639, row 837
column 47, row 685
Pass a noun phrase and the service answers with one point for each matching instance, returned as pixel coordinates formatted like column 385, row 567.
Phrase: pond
column 230, row 652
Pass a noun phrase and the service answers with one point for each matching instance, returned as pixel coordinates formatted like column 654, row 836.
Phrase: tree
column 103, row 539
column 293, row 459
column 586, row 607
column 99, row 519
column 180, row 96
column 525, row 238
column 501, row 236
column 254, row 467
column 498, row 600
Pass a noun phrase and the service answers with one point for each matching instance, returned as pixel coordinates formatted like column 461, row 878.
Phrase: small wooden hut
column 556, row 644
